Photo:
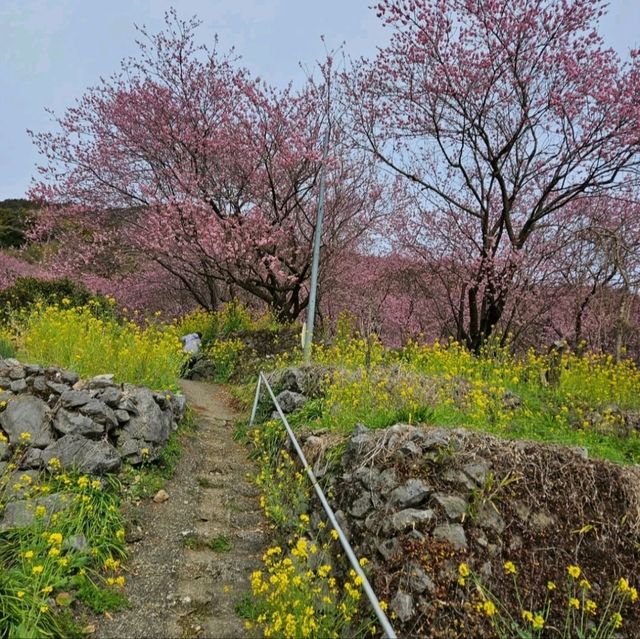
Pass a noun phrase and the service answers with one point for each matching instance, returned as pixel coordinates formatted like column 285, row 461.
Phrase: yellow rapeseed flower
column 55, row 539
column 463, row 570
column 574, row 603
column 36, row 570
column 538, row 622
column 510, row 568
column 574, row 571
column 591, row 606
column 616, row 617
column 551, row 585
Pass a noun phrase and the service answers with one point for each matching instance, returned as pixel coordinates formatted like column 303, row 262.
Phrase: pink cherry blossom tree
column 500, row 113
column 186, row 160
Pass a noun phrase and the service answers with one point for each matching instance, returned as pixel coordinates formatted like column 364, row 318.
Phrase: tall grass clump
column 66, row 551
column 78, row 338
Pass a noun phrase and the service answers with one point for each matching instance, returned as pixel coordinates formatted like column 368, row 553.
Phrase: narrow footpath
column 191, row 565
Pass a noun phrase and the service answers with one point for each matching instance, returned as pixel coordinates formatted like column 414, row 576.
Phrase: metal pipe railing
column 371, row 595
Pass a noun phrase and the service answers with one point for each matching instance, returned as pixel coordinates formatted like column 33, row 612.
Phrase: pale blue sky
column 52, row 50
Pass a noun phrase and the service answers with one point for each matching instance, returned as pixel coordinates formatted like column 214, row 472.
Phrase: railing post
column 254, row 410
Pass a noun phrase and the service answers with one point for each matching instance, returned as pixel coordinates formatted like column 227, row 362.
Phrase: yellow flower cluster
column 580, row 612
column 299, row 601
column 75, row 338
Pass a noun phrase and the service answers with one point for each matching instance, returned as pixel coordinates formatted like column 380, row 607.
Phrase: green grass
column 221, row 543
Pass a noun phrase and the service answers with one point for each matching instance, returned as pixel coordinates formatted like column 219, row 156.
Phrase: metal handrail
column 371, row 595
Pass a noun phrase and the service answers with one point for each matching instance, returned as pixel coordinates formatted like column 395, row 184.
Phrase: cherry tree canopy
column 186, row 160
column 500, row 113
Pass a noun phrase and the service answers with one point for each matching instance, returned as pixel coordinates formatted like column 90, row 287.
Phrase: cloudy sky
column 52, row 50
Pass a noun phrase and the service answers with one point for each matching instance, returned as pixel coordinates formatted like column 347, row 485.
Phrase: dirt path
column 198, row 549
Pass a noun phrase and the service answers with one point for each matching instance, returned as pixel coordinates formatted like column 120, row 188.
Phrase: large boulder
column 69, row 423
column 27, row 414
column 151, row 424
column 86, row 455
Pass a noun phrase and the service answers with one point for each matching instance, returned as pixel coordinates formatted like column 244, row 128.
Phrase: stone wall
column 91, row 425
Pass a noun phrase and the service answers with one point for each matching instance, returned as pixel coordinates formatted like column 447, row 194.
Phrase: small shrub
column 26, row 291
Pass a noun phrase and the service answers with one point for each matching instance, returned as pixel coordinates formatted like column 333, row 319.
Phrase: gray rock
column 39, row 385
column 33, row 369
column 542, row 520
column 343, row 522
column 19, row 386
column 27, row 414
column 202, row 369
column 77, row 542
column 6, row 396
column 419, row 581
column 434, row 439
column 454, row 506
column 75, row 398
column 162, row 400
column 151, row 424
column 100, row 381
column 69, row 377
column 291, row 401
column 410, row 518
column 477, row 471
column 486, row 570
column 402, row 605
column 122, row 416
column 515, row 544
column 5, row 452
column 368, row 476
column 360, row 438
column 178, row 406
column 523, row 511
column 32, row 458
column 69, row 423
column 100, row 412
column 459, row 479
column 18, row 514
column 412, row 493
column 388, row 548
column 129, row 405
column 135, row 451
column 489, row 519
column 111, row 396
column 95, row 457
column 16, row 486
column 5, row 383
column 361, row 506
column 17, row 372
column 410, row 449
column 388, row 480
column 57, row 387
column 453, row 533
